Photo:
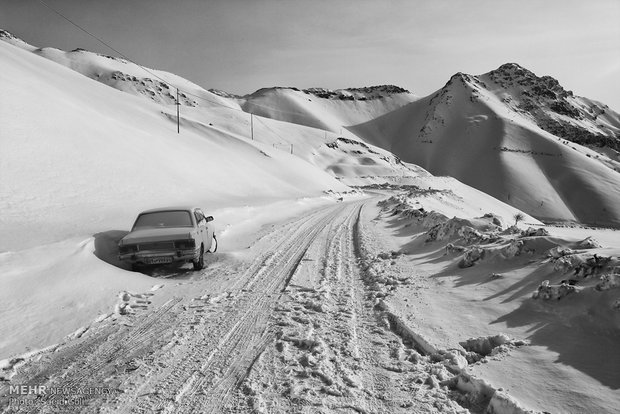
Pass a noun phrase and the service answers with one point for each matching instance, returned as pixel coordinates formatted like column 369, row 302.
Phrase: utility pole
column 178, row 117
column 291, row 148
column 252, row 125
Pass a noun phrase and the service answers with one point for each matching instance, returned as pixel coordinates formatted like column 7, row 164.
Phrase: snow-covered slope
column 321, row 108
column 552, row 108
column 218, row 110
column 326, row 109
column 486, row 131
column 76, row 154
column 155, row 85
column 79, row 160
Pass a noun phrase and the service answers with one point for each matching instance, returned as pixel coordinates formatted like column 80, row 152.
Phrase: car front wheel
column 200, row 262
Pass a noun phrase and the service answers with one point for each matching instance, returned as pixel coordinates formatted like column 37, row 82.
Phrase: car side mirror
column 209, row 218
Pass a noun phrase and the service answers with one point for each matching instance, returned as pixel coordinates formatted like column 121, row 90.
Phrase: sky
column 240, row 46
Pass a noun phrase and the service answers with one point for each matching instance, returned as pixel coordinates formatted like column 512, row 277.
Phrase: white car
column 167, row 235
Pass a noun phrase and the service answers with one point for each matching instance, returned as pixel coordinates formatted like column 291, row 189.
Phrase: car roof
column 171, row 208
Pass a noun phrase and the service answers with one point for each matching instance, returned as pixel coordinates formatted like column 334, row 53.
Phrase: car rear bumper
column 160, row 257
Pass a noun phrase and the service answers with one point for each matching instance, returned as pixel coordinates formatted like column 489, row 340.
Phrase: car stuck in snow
column 168, row 235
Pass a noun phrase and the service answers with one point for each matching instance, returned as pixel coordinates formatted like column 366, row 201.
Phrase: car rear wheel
column 213, row 247
column 200, row 262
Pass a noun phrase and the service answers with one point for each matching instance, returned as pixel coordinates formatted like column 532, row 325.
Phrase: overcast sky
column 243, row 45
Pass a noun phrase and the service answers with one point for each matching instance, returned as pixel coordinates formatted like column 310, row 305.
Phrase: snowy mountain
column 302, row 112
column 155, row 85
column 496, row 132
column 412, row 289
column 74, row 145
column 521, row 138
column 315, row 107
column 324, row 108
column 130, row 139
column 553, row 108
column 80, row 159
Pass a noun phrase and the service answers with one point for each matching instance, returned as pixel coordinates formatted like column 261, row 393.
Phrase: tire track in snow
column 191, row 353
column 335, row 351
column 276, row 272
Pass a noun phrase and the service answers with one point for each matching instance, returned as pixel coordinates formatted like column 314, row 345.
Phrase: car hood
column 157, row 234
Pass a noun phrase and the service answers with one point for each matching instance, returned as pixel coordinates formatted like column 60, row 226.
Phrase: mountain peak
column 511, row 67
column 512, row 74
column 7, row 35
column 10, row 38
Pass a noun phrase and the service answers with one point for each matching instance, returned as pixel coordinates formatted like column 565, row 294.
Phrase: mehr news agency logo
column 23, row 395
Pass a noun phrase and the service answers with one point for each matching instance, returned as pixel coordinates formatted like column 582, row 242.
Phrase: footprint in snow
column 130, row 302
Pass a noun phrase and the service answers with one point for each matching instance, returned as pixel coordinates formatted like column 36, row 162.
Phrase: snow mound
column 609, row 281
column 483, row 397
column 547, row 291
column 482, row 229
column 588, row 243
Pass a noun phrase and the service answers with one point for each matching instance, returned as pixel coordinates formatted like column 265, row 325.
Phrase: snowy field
column 346, row 280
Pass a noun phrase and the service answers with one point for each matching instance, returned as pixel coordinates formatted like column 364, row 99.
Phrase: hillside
column 321, row 108
column 487, row 131
column 211, row 109
column 346, row 276
column 75, row 148
column 324, row 108
column 80, row 159
column 500, row 132
column 152, row 84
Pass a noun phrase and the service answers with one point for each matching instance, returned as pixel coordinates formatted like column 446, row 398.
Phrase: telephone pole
column 178, row 117
column 252, row 125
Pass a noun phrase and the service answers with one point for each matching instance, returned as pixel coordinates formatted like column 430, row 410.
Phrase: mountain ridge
column 476, row 129
column 502, row 132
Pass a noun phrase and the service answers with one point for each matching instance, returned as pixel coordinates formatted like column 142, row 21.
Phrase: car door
column 201, row 223
column 201, row 227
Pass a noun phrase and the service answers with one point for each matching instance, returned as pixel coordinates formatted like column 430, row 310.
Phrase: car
column 168, row 235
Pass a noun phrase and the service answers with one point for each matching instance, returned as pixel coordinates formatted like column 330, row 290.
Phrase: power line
column 272, row 131
column 98, row 39
column 186, row 93
column 106, row 44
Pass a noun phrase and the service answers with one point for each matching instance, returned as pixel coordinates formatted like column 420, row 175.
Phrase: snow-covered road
column 314, row 315
column 282, row 327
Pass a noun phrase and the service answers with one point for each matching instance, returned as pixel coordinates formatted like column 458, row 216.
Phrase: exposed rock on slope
column 126, row 76
column 555, row 109
column 493, row 132
column 324, row 108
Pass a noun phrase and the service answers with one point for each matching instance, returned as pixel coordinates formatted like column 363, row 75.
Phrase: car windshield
column 175, row 218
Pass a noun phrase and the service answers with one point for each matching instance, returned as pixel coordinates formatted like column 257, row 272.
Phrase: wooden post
column 178, row 117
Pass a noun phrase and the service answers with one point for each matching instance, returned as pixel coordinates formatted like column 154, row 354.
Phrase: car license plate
column 158, row 260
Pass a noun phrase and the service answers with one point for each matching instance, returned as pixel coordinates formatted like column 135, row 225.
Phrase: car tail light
column 185, row 244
